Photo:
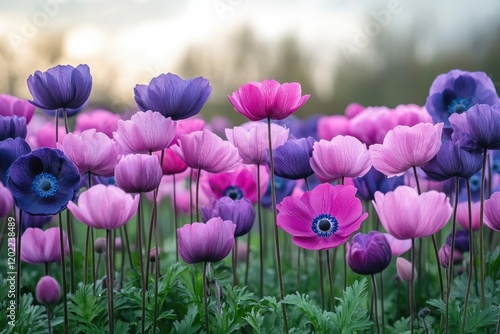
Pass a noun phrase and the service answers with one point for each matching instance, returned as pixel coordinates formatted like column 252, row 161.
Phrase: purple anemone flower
column 10, row 150
column 291, row 159
column 12, row 127
column 240, row 212
column 369, row 254
column 374, row 181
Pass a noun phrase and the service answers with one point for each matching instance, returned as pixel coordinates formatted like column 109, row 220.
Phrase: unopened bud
column 100, row 245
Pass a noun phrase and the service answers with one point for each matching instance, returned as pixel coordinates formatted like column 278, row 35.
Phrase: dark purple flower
column 12, row 127
column 369, row 254
column 461, row 240
column 47, row 290
column 13, row 106
column 374, row 181
column 33, row 221
column 240, row 212
column 451, row 161
column 43, row 182
column 457, row 91
column 291, row 160
column 6, row 201
column 172, row 96
column 69, row 112
column 62, row 86
column 479, row 127
column 10, row 150
column 284, row 188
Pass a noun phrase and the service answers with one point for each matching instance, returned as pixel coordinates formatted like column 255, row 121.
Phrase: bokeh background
column 374, row 52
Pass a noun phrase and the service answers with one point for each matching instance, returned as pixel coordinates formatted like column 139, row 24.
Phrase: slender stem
column 425, row 326
column 234, row 259
column 344, row 248
column 49, row 326
column 109, row 280
column 69, row 225
column 198, row 195
column 247, row 257
column 261, row 238
column 412, row 292
column 297, row 279
column 122, row 264
column 382, row 300
column 46, row 265
column 157, row 259
column 176, row 220
column 471, row 254
column 63, row 271
column 481, row 223
column 275, row 223
column 450, row 267
column 18, row 261
column 127, row 245
column 416, row 180
column 205, row 296
column 150, row 236
column 86, row 258
column 321, row 287
column 440, row 274
column 330, row 279
column 98, row 266
column 92, row 255
column 57, row 126
column 191, row 195
column 141, row 263
column 65, row 117
column 375, row 302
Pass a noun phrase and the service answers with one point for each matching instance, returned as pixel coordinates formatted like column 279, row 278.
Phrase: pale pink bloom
column 45, row 136
column 406, row 215
column 269, row 99
column 206, row 151
column 92, row 152
column 343, row 156
column 14, row 106
column 101, row 120
column 104, row 207
column 463, row 215
column 492, row 211
column 331, row 126
column 365, row 125
column 403, row 114
column 406, row 147
column 47, row 290
column 138, row 173
column 398, row 247
column 252, row 141
column 145, row 132
column 188, row 125
column 39, row 246
column 403, row 267
column 353, row 109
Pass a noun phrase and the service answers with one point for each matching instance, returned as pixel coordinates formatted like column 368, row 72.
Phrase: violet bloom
column 291, row 160
column 91, row 152
column 43, row 182
column 10, row 150
column 251, row 140
column 145, row 132
column 6, row 201
column 172, row 164
column 101, row 120
column 284, row 187
column 406, row 147
column 463, row 215
column 47, row 290
column 368, row 254
column 62, row 86
column 461, row 241
column 138, row 173
column 13, row 106
column 240, row 212
column 453, row 161
column 322, row 218
column 206, row 151
column 12, row 127
column 492, row 212
column 343, row 156
column 479, row 127
column 456, row 91
column 374, row 181
column 267, row 100
column 104, row 207
column 206, row 242
column 34, row 221
column 407, row 215
column 172, row 96
column 39, row 246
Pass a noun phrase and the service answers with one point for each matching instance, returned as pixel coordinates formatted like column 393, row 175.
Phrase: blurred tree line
column 389, row 71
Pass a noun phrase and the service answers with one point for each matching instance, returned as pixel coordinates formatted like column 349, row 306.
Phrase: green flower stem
column 471, row 255
column 481, row 223
column 261, row 238
column 412, row 291
column 375, row 302
column 205, row 296
column 176, row 220
column 69, row 225
column 198, row 195
column 63, row 272
column 330, row 279
column 109, row 281
column 321, row 287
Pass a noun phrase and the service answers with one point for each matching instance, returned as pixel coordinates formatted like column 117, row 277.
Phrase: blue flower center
column 495, row 167
column 458, row 105
column 325, row 225
column 45, row 185
column 475, row 183
column 233, row 192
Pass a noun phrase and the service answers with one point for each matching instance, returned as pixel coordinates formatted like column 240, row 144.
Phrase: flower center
column 458, row 105
column 45, row 185
column 233, row 192
column 495, row 167
column 475, row 182
column 325, row 225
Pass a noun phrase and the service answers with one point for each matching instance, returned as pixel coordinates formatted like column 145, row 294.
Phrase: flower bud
column 100, row 245
column 403, row 267
column 47, row 290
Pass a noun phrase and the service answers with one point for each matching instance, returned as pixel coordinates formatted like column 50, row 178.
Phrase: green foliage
column 30, row 319
column 350, row 315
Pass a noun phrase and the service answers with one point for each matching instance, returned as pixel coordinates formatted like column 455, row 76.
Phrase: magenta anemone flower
column 252, row 141
column 91, row 152
column 138, row 173
column 406, row 215
column 209, row 242
column 145, row 132
column 332, row 126
column 492, row 212
column 206, row 151
column 39, row 246
column 104, row 207
column 101, row 120
column 6, row 201
column 322, row 218
column 47, row 290
column 463, row 215
column 269, row 99
column 406, row 147
column 13, row 106
column 343, row 156
column 172, row 164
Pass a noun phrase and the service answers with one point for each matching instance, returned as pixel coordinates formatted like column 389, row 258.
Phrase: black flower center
column 233, row 192
column 324, row 225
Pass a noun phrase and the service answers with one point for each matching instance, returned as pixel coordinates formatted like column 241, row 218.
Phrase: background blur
column 375, row 52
